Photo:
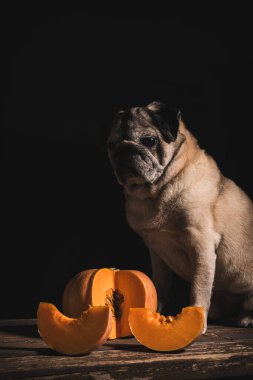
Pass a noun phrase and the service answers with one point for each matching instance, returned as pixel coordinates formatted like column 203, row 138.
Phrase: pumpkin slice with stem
column 161, row 333
column 74, row 336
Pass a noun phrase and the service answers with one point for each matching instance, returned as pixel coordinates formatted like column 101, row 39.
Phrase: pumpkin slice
column 118, row 289
column 74, row 336
column 161, row 333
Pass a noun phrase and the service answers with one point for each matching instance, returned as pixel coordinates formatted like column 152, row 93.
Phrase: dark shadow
column 25, row 351
column 135, row 348
column 30, row 331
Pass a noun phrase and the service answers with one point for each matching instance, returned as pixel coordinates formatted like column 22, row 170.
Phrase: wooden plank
column 221, row 353
column 179, row 366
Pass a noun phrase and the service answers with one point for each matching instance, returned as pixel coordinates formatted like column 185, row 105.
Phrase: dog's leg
column 203, row 257
column 202, row 283
column 162, row 279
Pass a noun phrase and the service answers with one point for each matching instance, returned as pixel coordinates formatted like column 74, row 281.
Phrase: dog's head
column 142, row 142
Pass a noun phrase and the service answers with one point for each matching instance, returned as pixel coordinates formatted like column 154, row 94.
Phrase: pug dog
column 194, row 221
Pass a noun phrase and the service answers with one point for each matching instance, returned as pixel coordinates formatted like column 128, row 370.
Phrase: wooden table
column 223, row 352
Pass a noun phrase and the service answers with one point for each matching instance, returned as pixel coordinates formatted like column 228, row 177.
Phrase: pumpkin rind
column 77, row 293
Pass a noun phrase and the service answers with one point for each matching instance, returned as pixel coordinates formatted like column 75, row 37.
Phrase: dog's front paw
column 204, row 327
column 245, row 320
column 205, row 318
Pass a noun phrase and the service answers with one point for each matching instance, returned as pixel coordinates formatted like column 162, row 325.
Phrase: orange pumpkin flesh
column 74, row 336
column 166, row 334
column 118, row 289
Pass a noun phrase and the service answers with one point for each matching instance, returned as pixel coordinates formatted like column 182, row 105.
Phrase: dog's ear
column 167, row 118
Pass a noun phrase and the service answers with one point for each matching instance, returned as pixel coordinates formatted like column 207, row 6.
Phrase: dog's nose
column 126, row 166
column 126, row 156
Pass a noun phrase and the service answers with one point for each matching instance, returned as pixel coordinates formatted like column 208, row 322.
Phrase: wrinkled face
column 141, row 144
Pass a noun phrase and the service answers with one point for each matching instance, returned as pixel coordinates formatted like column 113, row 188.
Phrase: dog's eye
column 148, row 141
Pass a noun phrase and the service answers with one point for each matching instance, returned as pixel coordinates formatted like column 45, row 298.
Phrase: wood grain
column 223, row 352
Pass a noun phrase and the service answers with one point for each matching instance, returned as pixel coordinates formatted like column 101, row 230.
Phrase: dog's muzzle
column 133, row 162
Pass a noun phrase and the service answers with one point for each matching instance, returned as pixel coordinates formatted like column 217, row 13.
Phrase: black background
column 65, row 74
